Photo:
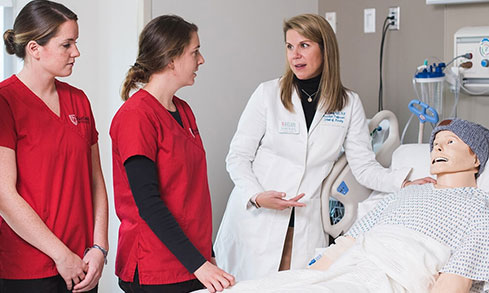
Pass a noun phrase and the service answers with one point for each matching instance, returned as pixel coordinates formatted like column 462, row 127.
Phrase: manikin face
column 57, row 56
column 187, row 64
column 304, row 56
column 451, row 155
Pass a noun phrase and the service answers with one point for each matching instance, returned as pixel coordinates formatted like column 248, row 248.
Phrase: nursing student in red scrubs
column 160, row 175
column 53, row 203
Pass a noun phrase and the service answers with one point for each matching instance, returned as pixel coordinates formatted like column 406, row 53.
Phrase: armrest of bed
column 341, row 185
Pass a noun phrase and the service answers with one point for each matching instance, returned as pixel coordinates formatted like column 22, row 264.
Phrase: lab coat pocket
column 265, row 168
column 330, row 134
column 255, row 229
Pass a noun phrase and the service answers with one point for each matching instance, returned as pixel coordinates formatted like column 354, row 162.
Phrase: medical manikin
column 424, row 238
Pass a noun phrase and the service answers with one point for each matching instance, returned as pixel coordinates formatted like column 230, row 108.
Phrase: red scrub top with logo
column 142, row 126
column 54, row 170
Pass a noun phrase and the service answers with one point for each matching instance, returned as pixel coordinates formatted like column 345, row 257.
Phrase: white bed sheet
column 366, row 267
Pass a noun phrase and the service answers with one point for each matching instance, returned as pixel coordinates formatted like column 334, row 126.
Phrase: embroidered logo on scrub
column 73, row 119
column 291, row 127
column 335, row 117
column 80, row 119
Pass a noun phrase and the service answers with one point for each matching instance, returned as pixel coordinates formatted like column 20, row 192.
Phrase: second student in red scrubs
column 160, row 175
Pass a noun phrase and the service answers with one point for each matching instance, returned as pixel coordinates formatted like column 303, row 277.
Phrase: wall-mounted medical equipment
column 474, row 74
column 428, row 83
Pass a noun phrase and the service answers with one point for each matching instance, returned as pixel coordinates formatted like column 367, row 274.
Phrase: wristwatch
column 103, row 250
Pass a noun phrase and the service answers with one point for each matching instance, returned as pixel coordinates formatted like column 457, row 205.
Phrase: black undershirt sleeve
column 143, row 180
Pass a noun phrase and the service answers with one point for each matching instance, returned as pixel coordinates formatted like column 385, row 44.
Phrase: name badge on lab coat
column 288, row 127
column 334, row 118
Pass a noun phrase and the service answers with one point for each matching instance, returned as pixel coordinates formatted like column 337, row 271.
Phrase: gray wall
column 426, row 31
column 420, row 36
column 242, row 43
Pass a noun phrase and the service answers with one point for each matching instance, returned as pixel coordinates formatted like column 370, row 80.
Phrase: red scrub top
column 142, row 126
column 54, row 172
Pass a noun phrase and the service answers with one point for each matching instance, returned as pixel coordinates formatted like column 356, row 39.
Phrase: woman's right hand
column 71, row 268
column 213, row 278
column 275, row 200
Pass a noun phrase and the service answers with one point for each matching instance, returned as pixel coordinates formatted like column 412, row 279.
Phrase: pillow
column 417, row 156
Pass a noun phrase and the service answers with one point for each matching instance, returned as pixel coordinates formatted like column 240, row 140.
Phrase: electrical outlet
column 396, row 13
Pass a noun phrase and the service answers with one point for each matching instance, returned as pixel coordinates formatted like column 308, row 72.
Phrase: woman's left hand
column 419, row 181
column 272, row 199
column 214, row 278
column 95, row 261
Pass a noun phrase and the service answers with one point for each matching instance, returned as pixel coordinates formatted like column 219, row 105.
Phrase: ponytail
column 136, row 74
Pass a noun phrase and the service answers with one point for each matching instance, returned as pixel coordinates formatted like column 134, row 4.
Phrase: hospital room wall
column 420, row 36
column 425, row 31
column 242, row 43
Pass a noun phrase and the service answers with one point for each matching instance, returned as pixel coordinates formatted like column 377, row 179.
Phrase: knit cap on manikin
column 474, row 135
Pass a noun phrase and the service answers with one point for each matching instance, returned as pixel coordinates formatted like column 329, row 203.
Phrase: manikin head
column 459, row 147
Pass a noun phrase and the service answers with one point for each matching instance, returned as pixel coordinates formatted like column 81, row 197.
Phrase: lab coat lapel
column 299, row 112
column 317, row 118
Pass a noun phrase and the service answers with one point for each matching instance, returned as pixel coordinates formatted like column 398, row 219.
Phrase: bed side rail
column 342, row 185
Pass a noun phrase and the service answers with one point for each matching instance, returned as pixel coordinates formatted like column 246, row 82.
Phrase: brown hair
column 333, row 95
column 38, row 21
column 162, row 39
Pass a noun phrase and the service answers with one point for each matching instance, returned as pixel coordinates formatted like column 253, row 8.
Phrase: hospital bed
column 355, row 198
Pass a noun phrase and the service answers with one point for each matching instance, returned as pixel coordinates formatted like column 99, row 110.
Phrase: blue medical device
column 423, row 111
column 336, row 208
column 431, row 71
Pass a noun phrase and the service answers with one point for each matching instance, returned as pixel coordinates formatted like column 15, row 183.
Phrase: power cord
column 385, row 27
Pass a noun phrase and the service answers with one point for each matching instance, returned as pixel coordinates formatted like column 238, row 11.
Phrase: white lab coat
column 272, row 150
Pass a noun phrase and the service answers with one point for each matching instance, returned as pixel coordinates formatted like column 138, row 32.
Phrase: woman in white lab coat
column 288, row 138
